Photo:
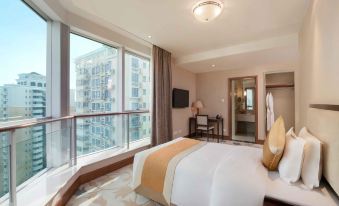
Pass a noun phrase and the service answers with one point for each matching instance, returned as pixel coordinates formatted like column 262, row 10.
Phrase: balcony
column 61, row 152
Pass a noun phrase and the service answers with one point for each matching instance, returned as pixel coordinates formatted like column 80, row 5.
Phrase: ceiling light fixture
column 149, row 36
column 213, row 65
column 206, row 11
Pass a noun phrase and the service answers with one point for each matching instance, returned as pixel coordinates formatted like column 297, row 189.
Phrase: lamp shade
column 198, row 104
column 207, row 10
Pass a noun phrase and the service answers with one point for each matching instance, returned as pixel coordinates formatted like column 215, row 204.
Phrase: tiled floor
column 114, row 189
column 111, row 189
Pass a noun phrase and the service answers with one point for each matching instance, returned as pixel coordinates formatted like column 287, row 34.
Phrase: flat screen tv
column 180, row 98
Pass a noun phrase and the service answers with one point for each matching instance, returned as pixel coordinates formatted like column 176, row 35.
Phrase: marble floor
column 111, row 189
column 114, row 188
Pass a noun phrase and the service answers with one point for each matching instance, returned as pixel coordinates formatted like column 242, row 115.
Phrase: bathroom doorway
column 243, row 109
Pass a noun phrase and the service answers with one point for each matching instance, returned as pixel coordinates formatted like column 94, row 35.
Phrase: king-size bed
column 187, row 172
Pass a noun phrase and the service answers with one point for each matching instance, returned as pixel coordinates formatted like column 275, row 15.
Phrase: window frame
column 145, row 57
column 48, row 74
column 105, row 42
column 121, row 64
column 11, row 196
column 37, row 10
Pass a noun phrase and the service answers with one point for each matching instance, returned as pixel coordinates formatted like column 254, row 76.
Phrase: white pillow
column 312, row 164
column 292, row 159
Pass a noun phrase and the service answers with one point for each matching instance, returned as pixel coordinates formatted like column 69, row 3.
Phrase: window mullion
column 123, row 73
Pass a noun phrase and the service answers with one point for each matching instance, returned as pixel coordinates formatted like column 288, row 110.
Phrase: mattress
column 297, row 193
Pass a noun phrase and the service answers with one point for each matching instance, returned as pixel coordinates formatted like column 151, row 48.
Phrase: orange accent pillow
column 274, row 145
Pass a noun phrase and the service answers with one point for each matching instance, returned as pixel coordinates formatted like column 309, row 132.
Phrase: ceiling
column 174, row 28
column 273, row 56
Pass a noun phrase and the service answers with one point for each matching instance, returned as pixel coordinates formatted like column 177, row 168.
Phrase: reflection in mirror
column 249, row 96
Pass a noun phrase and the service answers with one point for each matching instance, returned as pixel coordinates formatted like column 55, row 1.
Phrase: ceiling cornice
column 276, row 42
column 56, row 11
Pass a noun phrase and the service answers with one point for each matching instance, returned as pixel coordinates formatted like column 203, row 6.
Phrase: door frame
column 230, row 106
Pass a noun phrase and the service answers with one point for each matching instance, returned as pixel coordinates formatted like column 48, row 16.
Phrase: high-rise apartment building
column 94, row 71
column 137, row 94
column 24, row 100
column 97, row 81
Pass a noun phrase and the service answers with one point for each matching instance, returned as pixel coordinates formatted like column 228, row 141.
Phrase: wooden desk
column 219, row 122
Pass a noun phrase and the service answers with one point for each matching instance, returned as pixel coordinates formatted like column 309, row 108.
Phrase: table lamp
column 198, row 104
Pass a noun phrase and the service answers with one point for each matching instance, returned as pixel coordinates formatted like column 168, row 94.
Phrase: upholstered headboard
column 323, row 122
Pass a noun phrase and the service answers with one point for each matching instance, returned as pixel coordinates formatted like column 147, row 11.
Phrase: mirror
column 249, row 98
column 242, row 109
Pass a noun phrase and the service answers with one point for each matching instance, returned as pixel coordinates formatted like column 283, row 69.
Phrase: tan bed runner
column 159, row 168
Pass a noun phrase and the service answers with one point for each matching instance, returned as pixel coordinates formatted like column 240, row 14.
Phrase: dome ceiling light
column 206, row 11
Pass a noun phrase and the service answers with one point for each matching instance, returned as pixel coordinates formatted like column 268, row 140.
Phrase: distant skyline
column 23, row 40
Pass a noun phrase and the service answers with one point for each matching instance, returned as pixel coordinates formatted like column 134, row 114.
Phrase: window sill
column 56, row 181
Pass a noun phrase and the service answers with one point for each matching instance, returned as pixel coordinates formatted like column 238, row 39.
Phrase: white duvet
column 216, row 174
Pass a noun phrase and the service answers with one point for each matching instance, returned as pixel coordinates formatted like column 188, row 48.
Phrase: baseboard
column 273, row 202
column 259, row 141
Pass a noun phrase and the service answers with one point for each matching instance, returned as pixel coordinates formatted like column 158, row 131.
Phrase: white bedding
column 297, row 193
column 221, row 174
column 232, row 175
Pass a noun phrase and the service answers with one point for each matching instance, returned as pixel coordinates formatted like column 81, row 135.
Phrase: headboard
column 323, row 122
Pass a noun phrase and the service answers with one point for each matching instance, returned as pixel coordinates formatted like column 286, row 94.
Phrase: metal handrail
column 110, row 114
column 50, row 119
column 73, row 143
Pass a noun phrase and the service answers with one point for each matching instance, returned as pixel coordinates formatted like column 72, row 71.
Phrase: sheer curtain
column 162, row 97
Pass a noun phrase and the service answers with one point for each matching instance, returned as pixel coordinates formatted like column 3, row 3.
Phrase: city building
column 24, row 100
column 137, row 94
column 97, row 90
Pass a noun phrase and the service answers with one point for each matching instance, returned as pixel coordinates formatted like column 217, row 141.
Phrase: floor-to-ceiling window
column 101, row 83
column 23, row 40
column 94, row 88
column 137, row 94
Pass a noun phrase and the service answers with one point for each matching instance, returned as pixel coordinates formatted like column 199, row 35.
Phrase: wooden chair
column 203, row 126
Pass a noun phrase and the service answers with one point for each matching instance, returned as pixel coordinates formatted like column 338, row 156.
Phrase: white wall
column 183, row 79
column 319, row 79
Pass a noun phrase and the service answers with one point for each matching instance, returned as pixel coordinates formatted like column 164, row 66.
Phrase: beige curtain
column 162, row 97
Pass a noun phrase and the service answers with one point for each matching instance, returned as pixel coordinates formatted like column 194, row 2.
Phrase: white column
column 58, row 74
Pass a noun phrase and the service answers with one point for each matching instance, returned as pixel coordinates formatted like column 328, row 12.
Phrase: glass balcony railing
column 100, row 133
column 45, row 145
column 4, row 164
column 139, row 126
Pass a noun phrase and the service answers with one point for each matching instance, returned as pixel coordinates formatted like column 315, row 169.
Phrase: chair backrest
column 202, row 120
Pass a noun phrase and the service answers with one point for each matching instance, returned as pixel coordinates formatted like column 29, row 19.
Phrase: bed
column 219, row 174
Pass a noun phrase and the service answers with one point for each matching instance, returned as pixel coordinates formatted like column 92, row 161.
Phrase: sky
column 23, row 42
